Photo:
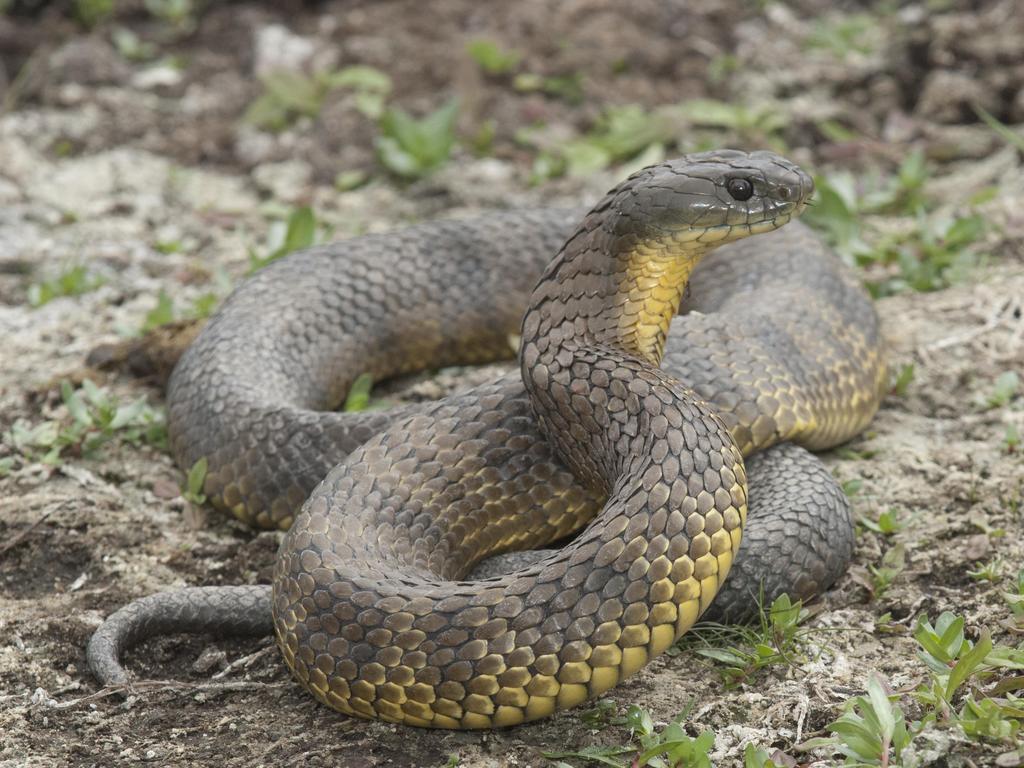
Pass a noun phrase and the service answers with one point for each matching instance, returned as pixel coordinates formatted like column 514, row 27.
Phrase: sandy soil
column 106, row 161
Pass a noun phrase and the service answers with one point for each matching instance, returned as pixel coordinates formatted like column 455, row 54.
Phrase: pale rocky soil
column 147, row 159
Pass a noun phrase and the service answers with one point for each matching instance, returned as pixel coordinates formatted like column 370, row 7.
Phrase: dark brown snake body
column 777, row 343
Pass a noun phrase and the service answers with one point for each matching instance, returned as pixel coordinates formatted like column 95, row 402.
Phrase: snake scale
column 606, row 431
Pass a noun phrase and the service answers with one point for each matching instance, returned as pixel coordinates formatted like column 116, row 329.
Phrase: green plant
column 288, row 95
column 193, row 490
column 600, row 715
column 1011, row 438
column 1015, row 598
column 893, row 563
column 619, row 134
column 91, row 12
column 887, row 524
column 568, row 88
column 413, row 148
column 358, row 398
column 852, row 487
column 903, row 379
column 349, row 180
column 165, row 312
column 298, row 232
column 990, row 571
column 772, row 641
column 630, row 133
column 992, row 719
column 951, row 658
column 179, row 13
column 671, row 747
column 73, row 280
column 492, row 58
column 932, row 256
column 844, row 35
column 94, row 417
column 1010, row 136
column 1005, row 389
column 131, row 46
column 370, row 88
column 752, row 123
column 758, row 757
column 871, row 732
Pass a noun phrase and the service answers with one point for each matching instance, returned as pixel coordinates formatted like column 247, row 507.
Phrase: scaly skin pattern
column 370, row 605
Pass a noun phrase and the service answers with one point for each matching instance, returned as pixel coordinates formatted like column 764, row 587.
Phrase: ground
column 132, row 160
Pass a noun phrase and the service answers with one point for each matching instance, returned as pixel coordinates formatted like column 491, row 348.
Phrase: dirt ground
column 144, row 172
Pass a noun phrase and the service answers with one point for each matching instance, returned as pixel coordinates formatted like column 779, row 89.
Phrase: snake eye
column 740, row 189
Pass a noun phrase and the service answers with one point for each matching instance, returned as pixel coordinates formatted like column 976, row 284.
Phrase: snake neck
column 612, row 291
column 596, row 325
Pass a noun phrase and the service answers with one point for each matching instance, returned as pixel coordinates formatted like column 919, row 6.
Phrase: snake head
column 709, row 198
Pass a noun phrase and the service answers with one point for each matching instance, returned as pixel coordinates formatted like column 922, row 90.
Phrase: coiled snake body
column 369, row 603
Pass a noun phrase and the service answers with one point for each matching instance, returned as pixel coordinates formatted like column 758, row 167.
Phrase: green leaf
column 349, row 180
column 413, row 148
column 195, row 480
column 757, row 757
column 903, row 379
column 639, row 720
column 161, row 314
column 491, row 57
column 128, row 414
column 295, row 91
column 78, row 410
column 1004, row 132
column 584, row 157
column 1006, row 387
column 358, row 398
column 968, row 663
column 361, row 78
column 301, row 231
column 881, row 708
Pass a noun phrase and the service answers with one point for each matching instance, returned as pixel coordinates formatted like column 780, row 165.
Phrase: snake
column 681, row 352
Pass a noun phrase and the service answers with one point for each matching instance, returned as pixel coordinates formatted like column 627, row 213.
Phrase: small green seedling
column 670, row 747
column 852, row 487
column 92, row 12
column 193, row 490
column 492, row 58
column 887, row 524
column 299, row 232
column 358, row 398
column 951, row 658
column 1006, row 387
column 1015, row 598
column 568, row 88
column 990, row 571
column 872, row 731
column 991, row 719
column 903, row 379
column 74, row 280
column 1011, row 438
column 772, row 642
column 289, row 95
column 893, row 563
column 94, row 418
column 413, row 148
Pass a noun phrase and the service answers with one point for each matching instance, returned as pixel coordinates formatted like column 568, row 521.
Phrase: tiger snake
column 664, row 359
